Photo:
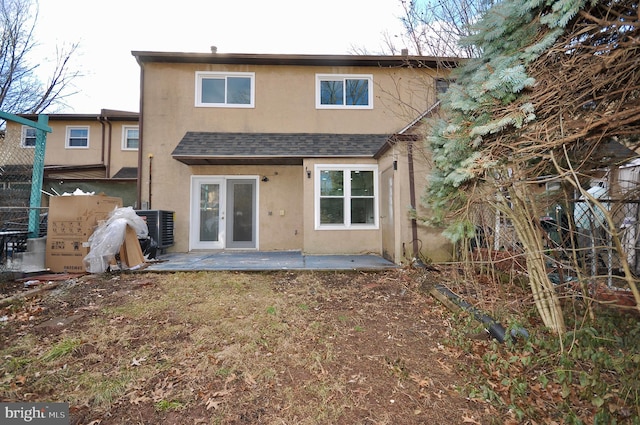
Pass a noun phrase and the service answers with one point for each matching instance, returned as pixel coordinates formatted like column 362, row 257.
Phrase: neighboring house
column 288, row 152
column 92, row 152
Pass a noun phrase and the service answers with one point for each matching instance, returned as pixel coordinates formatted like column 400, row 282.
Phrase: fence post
column 36, row 180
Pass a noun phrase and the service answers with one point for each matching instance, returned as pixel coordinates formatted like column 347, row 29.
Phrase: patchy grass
column 61, row 349
column 309, row 348
column 238, row 348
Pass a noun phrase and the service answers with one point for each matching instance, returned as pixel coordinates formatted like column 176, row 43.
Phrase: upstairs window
column 335, row 91
column 441, row 86
column 230, row 90
column 346, row 197
column 28, row 137
column 130, row 138
column 77, row 137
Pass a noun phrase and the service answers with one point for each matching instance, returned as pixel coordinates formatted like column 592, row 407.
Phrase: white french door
column 223, row 212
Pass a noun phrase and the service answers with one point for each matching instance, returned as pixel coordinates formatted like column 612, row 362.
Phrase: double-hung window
column 77, row 137
column 351, row 91
column 225, row 89
column 346, row 197
column 28, row 139
column 130, row 138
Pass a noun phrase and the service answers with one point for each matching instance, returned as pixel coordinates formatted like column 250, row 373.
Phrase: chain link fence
column 16, row 171
column 580, row 239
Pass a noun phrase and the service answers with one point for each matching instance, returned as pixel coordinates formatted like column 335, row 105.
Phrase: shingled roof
column 201, row 148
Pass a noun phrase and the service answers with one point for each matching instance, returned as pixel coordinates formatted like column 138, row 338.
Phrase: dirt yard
column 239, row 348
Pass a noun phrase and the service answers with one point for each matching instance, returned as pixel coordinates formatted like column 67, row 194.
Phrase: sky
column 107, row 32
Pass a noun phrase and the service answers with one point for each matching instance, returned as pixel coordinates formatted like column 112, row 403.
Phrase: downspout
column 454, row 302
column 150, row 174
column 101, row 120
column 140, row 141
column 108, row 164
column 412, row 200
column 412, row 184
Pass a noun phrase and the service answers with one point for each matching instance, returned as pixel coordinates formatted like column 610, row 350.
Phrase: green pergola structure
column 35, row 200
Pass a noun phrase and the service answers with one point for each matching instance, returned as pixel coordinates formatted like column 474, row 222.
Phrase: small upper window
column 130, row 138
column 28, row 137
column 441, row 86
column 335, row 91
column 230, row 90
column 77, row 137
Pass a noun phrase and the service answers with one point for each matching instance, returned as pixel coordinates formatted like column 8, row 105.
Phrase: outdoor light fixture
column 265, row 179
column 308, row 173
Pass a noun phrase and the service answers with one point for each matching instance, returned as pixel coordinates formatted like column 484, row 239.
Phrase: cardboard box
column 71, row 221
column 131, row 255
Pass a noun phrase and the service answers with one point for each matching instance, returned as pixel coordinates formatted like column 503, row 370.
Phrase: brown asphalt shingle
column 296, row 145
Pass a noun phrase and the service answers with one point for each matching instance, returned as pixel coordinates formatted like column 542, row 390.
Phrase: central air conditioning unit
column 160, row 225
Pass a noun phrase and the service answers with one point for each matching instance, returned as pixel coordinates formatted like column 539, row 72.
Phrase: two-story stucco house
column 288, row 152
column 90, row 152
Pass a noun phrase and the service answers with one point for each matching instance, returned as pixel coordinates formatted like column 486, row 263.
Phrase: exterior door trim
column 194, row 211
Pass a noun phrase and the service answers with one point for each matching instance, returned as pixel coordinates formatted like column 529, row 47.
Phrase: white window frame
column 200, row 75
column 347, row 169
column 125, row 132
column 23, row 138
column 343, row 77
column 68, row 136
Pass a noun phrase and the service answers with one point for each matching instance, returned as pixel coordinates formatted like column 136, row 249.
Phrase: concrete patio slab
column 264, row 261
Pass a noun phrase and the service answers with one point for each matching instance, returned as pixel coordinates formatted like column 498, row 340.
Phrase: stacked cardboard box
column 72, row 220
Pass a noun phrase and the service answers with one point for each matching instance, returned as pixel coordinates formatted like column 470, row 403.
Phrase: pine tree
column 491, row 97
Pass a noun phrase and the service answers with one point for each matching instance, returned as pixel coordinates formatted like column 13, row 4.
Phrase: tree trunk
column 525, row 218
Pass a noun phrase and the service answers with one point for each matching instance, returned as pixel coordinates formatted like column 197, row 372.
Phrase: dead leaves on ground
column 180, row 384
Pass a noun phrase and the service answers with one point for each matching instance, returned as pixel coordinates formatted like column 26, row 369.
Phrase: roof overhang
column 236, row 160
column 72, row 172
column 208, row 148
column 110, row 114
column 397, row 138
column 408, row 133
column 297, row 60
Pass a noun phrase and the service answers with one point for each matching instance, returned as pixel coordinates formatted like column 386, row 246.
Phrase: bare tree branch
column 435, row 27
column 21, row 91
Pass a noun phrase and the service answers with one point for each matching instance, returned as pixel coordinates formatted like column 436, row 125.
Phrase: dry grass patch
column 238, row 348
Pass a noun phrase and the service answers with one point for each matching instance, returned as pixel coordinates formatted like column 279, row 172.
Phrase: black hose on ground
column 491, row 325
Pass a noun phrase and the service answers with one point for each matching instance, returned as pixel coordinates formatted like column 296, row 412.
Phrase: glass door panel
column 223, row 213
column 207, row 213
column 241, row 211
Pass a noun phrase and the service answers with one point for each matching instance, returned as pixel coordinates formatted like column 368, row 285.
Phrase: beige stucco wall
column 280, row 219
column 57, row 154
column 334, row 241
column 120, row 157
column 432, row 246
column 10, row 150
column 97, row 153
column 284, row 103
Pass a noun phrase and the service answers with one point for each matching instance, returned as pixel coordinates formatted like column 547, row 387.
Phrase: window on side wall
column 130, row 138
column 227, row 90
column 77, row 137
column 28, row 139
column 346, row 197
column 442, row 86
column 335, row 91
